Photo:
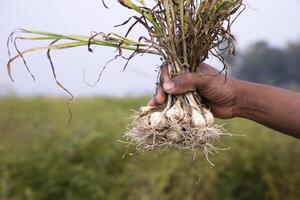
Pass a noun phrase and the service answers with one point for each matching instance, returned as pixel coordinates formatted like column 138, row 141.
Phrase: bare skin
column 273, row 107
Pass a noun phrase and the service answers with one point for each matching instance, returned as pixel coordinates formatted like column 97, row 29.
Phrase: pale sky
column 275, row 21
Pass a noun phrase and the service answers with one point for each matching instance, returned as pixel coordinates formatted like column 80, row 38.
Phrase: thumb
column 183, row 83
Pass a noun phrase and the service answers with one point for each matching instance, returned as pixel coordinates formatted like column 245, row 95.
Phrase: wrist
column 242, row 96
column 249, row 102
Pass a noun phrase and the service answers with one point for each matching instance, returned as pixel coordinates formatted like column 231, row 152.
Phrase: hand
column 219, row 92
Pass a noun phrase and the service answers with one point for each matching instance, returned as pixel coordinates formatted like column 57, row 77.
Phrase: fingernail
column 168, row 85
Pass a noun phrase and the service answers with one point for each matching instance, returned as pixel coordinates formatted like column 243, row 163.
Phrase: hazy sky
column 276, row 21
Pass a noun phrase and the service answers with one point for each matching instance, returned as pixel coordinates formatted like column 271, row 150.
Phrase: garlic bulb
column 173, row 136
column 175, row 113
column 208, row 116
column 156, row 120
column 200, row 119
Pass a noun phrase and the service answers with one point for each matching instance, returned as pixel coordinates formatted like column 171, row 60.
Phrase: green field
column 44, row 157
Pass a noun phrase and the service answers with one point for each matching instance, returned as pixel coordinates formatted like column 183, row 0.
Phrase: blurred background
column 43, row 156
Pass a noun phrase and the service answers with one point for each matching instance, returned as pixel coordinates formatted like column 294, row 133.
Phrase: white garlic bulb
column 208, row 116
column 202, row 120
column 156, row 120
column 175, row 113
column 197, row 118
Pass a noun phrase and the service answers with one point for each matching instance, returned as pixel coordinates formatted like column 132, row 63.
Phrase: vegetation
column 272, row 65
column 44, row 157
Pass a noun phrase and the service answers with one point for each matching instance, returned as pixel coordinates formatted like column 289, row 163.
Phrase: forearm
column 274, row 107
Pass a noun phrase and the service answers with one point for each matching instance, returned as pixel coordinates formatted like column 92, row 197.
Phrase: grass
column 42, row 156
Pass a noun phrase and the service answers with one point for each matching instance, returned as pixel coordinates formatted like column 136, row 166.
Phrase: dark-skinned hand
column 218, row 92
column 228, row 97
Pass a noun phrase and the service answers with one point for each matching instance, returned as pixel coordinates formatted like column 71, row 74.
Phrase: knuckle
column 190, row 81
column 184, row 82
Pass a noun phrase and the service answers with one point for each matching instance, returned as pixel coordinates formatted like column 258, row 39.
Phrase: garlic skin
column 208, row 116
column 156, row 120
column 202, row 120
column 145, row 110
column 175, row 113
column 174, row 136
column 197, row 118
